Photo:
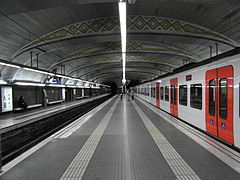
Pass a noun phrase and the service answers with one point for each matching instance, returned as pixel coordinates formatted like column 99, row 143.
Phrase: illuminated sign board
column 188, row 77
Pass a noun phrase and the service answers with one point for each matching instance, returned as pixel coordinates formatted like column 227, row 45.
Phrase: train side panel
column 236, row 103
column 152, row 95
column 165, row 101
column 193, row 111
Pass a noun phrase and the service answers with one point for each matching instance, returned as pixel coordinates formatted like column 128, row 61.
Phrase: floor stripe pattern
column 178, row 165
column 222, row 152
column 59, row 134
column 76, row 169
column 71, row 128
column 126, row 143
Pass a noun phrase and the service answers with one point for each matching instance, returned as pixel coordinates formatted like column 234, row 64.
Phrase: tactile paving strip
column 50, row 162
column 78, row 166
column 180, row 168
column 206, row 165
column 110, row 160
column 127, row 151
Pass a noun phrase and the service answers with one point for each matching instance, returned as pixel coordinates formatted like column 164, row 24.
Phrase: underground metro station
column 120, row 90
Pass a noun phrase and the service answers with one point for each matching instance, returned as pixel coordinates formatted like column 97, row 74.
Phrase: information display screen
column 7, row 101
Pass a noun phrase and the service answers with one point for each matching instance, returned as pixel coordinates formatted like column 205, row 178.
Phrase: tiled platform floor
column 120, row 139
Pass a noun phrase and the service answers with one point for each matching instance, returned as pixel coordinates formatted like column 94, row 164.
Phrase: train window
column 183, row 95
column 223, row 98
column 166, row 93
column 154, row 92
column 158, row 89
column 212, row 98
column 196, row 96
column 173, row 91
column 161, row 93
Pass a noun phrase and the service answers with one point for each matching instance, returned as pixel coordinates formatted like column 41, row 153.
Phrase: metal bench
column 55, row 102
column 78, row 98
column 29, row 107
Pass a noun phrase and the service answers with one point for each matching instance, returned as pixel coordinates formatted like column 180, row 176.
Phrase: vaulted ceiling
column 83, row 36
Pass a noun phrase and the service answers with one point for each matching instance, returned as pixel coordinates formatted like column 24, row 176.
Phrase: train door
column 158, row 94
column 174, row 97
column 219, row 103
column 68, row 94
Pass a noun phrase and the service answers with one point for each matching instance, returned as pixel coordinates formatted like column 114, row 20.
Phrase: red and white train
column 206, row 96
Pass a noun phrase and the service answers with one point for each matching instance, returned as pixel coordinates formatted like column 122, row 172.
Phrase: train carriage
column 206, row 97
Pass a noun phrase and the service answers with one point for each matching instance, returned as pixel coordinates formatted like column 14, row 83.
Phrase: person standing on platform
column 128, row 94
column 22, row 103
column 132, row 94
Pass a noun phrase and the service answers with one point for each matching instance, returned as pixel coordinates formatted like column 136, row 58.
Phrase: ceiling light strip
column 123, row 26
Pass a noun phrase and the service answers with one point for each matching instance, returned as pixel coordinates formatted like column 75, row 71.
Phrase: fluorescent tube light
column 62, row 76
column 29, row 84
column 2, row 82
column 38, row 71
column 95, row 87
column 123, row 26
column 10, row 65
column 75, row 79
column 55, row 85
column 71, row 86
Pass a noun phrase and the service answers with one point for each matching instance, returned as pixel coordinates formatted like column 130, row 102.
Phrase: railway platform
column 21, row 131
column 126, row 139
column 13, row 121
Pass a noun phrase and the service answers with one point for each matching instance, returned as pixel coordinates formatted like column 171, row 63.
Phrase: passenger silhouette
column 22, row 103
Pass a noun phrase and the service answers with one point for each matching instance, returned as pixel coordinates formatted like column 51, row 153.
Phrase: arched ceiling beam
column 103, row 65
column 106, row 69
column 106, row 78
column 117, row 78
column 143, row 71
column 130, row 59
column 137, row 54
column 132, row 47
column 128, row 76
column 231, row 2
column 135, row 25
column 25, row 6
column 112, row 59
column 79, row 68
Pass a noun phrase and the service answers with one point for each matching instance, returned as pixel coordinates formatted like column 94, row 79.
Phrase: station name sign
column 188, row 77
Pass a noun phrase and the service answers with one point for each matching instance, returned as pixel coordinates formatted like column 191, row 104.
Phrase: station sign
column 188, row 77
